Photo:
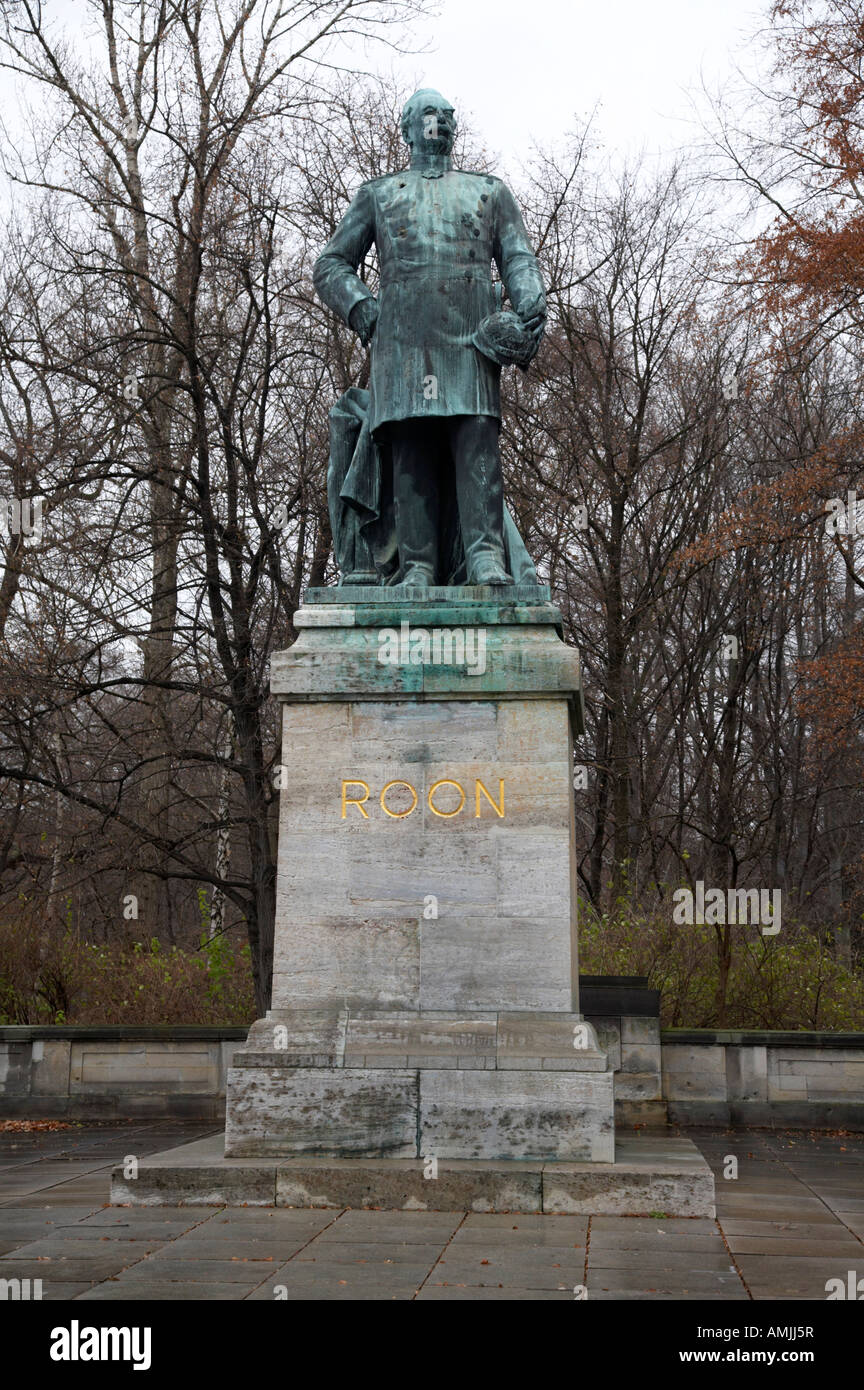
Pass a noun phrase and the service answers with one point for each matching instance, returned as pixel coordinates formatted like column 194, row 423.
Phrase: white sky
column 525, row 68
column 530, row 70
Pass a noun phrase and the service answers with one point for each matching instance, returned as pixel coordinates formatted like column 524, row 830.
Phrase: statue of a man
column 434, row 393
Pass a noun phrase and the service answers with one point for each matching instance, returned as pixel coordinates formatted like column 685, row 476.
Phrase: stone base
column 418, row 1085
column 650, row 1175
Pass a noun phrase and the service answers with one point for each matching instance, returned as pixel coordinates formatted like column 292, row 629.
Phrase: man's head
column 428, row 122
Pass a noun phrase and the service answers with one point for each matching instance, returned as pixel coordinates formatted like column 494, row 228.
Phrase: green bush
column 51, row 976
column 790, row 981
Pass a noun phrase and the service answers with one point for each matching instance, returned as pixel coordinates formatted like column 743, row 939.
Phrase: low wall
column 787, row 1080
column 118, row 1071
column 626, row 1018
column 784, row 1080
column 106, row 1072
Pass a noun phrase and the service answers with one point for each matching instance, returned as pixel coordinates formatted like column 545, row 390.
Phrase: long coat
column 436, row 238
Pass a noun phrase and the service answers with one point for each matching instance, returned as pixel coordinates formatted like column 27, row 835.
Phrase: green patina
column 414, row 483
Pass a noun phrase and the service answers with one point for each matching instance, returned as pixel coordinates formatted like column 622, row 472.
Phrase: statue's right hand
column 363, row 318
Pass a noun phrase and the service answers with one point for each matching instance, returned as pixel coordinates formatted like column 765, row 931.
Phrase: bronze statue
column 415, row 483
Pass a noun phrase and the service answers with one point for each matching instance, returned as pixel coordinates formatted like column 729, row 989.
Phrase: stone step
column 660, row 1175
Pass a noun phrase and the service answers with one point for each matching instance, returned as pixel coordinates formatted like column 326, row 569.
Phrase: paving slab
column 219, row 1271
column 57, row 1197
column 164, row 1231
column 695, row 1282
column 277, row 1228
column 15, row 1219
column 642, row 1225
column 524, row 1221
column 670, row 1295
column 656, row 1242
column 140, row 1291
column 328, row 1291
column 670, row 1261
column 331, row 1252
column 239, row 1248
column 383, row 1276
column 553, row 1237
column 63, row 1293
column 375, row 1226
column 55, row 1248
column 72, row 1270
column 842, row 1247
column 817, row 1230
column 456, row 1293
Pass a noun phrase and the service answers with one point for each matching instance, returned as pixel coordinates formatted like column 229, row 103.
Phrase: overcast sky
column 525, row 70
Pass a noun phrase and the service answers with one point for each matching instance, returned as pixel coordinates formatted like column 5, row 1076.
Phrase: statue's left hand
column 536, row 325
column 363, row 318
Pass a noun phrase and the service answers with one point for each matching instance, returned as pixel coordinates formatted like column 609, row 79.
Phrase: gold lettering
column 497, row 808
column 480, row 791
column 398, row 815
column 355, row 801
column 446, row 782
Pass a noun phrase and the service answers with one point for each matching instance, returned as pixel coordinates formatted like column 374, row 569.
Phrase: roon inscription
column 397, row 804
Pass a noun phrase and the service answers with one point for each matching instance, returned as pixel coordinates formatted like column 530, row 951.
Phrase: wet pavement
column 790, row 1217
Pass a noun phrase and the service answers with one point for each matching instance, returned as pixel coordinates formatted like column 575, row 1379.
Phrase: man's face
column 431, row 124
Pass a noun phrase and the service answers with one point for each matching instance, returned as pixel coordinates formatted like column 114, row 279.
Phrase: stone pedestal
column 425, row 996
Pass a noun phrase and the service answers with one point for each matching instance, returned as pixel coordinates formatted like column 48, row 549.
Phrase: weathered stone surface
column 353, row 888
column 807, row 1074
column 637, row 1031
column 517, row 1114
column 428, row 1039
column 669, row 1176
column 336, row 655
column 210, row 1185
column 747, row 1073
column 420, row 1041
column 641, row 1057
column 563, row 1042
column 111, row 1066
column 319, row 1110
column 699, row 1073
column 634, row 1085
column 426, row 982
column 16, row 1064
column 404, row 1186
column 608, row 1031
column 648, row 1175
column 51, row 1066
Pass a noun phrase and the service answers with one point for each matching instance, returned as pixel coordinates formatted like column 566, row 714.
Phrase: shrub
column 791, row 981
column 54, row 977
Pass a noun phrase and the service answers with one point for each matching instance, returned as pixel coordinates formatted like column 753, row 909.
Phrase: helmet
column 503, row 338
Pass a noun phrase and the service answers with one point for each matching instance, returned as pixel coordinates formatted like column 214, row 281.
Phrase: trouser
column 419, row 449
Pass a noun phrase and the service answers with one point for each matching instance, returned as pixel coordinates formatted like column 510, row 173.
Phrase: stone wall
column 116, row 1071
column 795, row 1080
column 626, row 1019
